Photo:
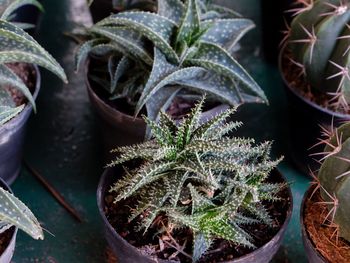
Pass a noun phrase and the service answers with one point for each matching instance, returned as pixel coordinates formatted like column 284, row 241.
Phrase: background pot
column 12, row 136
column 305, row 118
column 6, row 256
column 312, row 254
column 127, row 253
column 118, row 128
column 273, row 22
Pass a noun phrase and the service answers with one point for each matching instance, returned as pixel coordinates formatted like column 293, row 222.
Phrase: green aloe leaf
column 129, row 40
column 7, row 113
column 12, row 7
column 190, row 23
column 14, row 212
column 18, row 46
column 201, row 244
column 226, row 32
column 171, row 9
column 120, row 70
column 84, row 50
column 213, row 57
column 156, row 28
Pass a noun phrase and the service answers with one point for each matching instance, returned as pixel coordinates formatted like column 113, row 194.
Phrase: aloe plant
column 333, row 179
column 319, row 38
column 18, row 46
column 184, row 48
column 194, row 176
column 14, row 213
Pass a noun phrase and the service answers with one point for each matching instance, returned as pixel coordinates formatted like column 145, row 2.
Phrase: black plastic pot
column 118, row 128
column 305, row 118
column 312, row 254
column 127, row 253
column 12, row 135
column 6, row 256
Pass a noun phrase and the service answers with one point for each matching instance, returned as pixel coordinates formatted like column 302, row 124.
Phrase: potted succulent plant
column 19, row 86
column 192, row 193
column 145, row 62
column 325, row 219
column 14, row 215
column 314, row 66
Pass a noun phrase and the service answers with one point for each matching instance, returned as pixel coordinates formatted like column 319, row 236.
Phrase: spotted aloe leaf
column 14, row 213
column 84, row 50
column 120, row 69
column 11, row 6
column 157, row 28
column 129, row 40
column 213, row 57
column 190, row 22
column 161, row 69
column 226, row 32
column 18, row 46
column 200, row 245
column 171, row 9
column 7, row 113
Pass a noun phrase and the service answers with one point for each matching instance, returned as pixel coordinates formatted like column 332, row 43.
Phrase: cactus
column 18, row 46
column 199, row 178
column 14, row 213
column 319, row 38
column 183, row 48
column 334, row 179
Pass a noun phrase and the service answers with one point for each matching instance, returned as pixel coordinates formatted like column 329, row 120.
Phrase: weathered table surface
column 63, row 144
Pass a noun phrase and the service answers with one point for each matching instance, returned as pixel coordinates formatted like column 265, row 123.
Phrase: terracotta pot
column 12, row 135
column 126, row 253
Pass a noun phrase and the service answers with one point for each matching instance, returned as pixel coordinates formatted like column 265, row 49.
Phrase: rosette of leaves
column 195, row 176
column 184, row 48
column 14, row 213
column 18, row 46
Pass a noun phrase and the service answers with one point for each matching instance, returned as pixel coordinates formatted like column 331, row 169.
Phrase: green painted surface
column 63, row 144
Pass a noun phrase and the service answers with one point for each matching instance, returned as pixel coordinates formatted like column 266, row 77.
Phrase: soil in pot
column 149, row 244
column 27, row 74
column 324, row 237
column 5, row 239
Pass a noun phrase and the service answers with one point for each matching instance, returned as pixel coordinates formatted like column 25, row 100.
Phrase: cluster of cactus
column 18, row 46
column 184, row 47
column 14, row 213
column 333, row 179
column 199, row 178
column 319, row 38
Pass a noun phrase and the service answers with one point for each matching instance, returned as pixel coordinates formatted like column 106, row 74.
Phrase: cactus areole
column 319, row 41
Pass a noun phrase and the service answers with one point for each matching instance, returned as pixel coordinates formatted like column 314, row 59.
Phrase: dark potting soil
column 5, row 239
column 27, row 74
column 298, row 82
column 154, row 245
column 324, row 237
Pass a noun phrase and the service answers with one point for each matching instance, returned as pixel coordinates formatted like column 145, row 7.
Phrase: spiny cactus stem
column 345, row 173
column 306, row 6
column 336, row 148
column 334, row 202
column 311, row 40
column 344, row 72
column 338, row 10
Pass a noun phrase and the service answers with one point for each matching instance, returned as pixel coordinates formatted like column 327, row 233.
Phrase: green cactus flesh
column 335, row 180
column 319, row 40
